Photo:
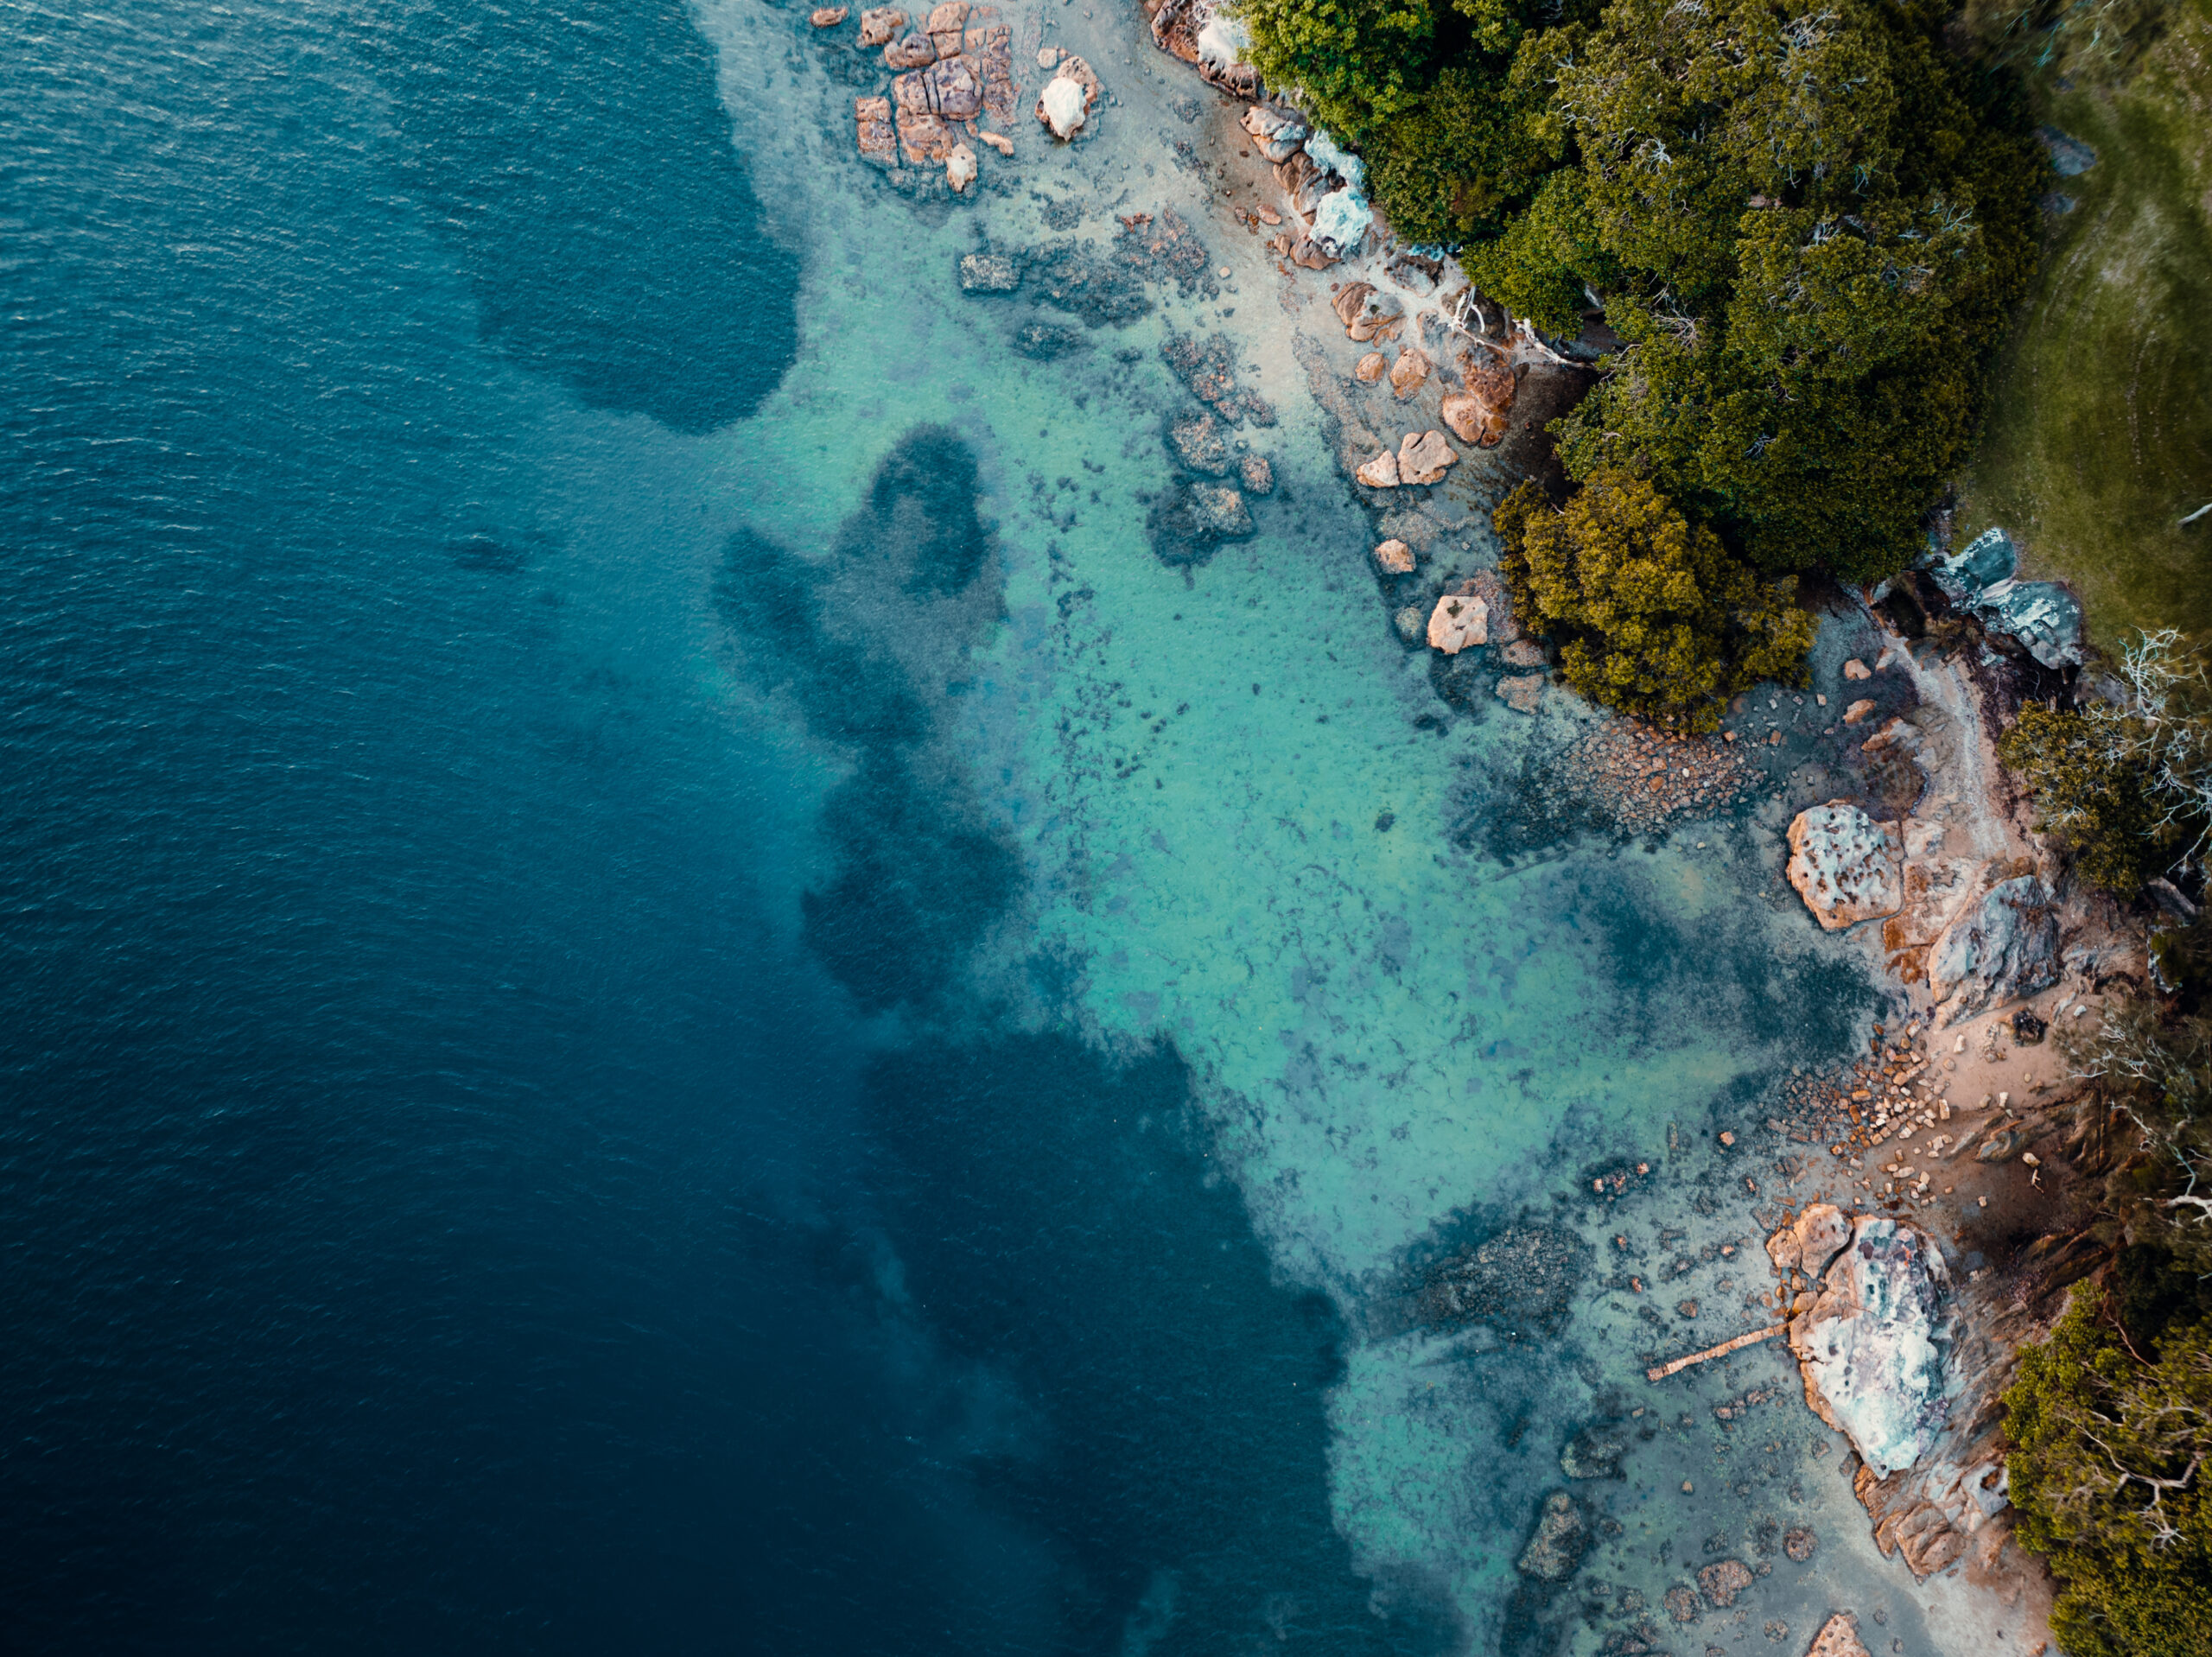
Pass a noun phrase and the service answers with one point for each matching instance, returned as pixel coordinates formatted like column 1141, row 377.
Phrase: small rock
column 1422, row 458
column 881, row 26
column 1259, row 474
column 1277, row 135
column 1839, row 1637
column 1269, row 216
column 1858, row 711
column 1395, row 558
column 1410, row 372
column 960, row 167
column 1047, row 56
column 1783, row 1249
column 1799, row 1544
column 1557, row 1548
column 1855, row 669
column 1682, row 1604
column 999, row 142
column 1723, row 1580
column 1412, row 624
column 1822, row 1230
column 1381, row 473
column 1062, row 108
column 1686, row 1308
column 910, row 51
column 1522, row 653
column 1458, row 622
column 1371, row 367
column 829, row 16
column 2001, row 1147
column 1523, row 694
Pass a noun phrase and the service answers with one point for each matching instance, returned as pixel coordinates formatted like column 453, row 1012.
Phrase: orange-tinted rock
column 1395, row 558
column 1371, row 366
column 829, row 16
column 1410, row 372
column 880, row 25
column 1423, row 459
column 878, row 143
column 1381, row 473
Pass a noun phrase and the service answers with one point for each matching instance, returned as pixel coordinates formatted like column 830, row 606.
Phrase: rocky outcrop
column 1844, row 865
column 1366, row 314
column 1372, row 367
column 2041, row 616
column 1561, row 1538
column 1275, row 133
column 1459, row 620
column 1999, row 948
column 950, row 88
column 1258, row 473
column 1871, row 1346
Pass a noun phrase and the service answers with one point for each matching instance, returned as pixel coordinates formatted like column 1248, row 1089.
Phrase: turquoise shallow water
column 667, row 992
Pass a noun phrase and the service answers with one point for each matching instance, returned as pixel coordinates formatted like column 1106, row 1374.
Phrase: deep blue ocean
column 446, row 1202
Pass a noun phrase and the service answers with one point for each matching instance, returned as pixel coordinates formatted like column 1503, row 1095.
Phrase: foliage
column 2108, row 1469
column 1356, row 63
column 2087, row 795
column 1469, row 151
column 1819, row 237
column 1548, row 259
column 2158, row 1073
column 2125, row 784
column 2072, row 40
column 1657, row 619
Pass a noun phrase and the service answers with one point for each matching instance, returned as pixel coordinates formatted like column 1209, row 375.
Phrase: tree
column 2126, row 784
column 2108, row 1472
column 1657, row 618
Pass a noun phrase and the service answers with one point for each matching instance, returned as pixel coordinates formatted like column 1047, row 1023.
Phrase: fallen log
column 1661, row 1371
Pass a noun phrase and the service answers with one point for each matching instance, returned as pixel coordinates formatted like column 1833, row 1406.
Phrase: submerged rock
column 1592, row 1453
column 1258, row 473
column 1721, row 1581
column 1219, row 510
column 1844, row 865
column 1520, row 1281
column 1394, row 557
column 1560, row 1539
column 879, row 141
column 1871, row 1346
column 989, row 273
column 1800, row 1544
column 1412, row 622
column 1199, row 444
column 1998, row 950
column 1522, row 693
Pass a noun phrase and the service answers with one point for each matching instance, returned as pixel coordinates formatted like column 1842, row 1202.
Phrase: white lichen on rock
column 1845, row 864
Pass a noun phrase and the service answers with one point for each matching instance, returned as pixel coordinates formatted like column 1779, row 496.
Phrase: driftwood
column 1661, row 1371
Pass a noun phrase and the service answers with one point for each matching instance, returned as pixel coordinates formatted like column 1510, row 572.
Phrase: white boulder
column 1871, row 1346
column 1062, row 106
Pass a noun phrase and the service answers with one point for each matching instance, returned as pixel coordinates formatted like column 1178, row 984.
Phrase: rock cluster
column 1422, row 459
column 1203, row 36
column 1639, row 780
column 951, row 77
column 2041, row 616
column 1478, row 412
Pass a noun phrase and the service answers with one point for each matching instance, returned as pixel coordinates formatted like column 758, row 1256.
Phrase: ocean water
column 666, row 991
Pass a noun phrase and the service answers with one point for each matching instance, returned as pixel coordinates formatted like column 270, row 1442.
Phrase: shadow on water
column 865, row 644
column 1056, row 1214
column 606, row 222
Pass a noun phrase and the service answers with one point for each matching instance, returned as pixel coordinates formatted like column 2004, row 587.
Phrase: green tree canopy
column 1655, row 617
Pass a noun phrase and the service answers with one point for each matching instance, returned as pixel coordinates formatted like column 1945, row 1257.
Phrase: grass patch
column 2099, row 437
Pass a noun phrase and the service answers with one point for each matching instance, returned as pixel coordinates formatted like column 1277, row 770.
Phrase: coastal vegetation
column 1655, row 615
column 1807, row 226
column 2110, row 1418
column 2126, row 782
